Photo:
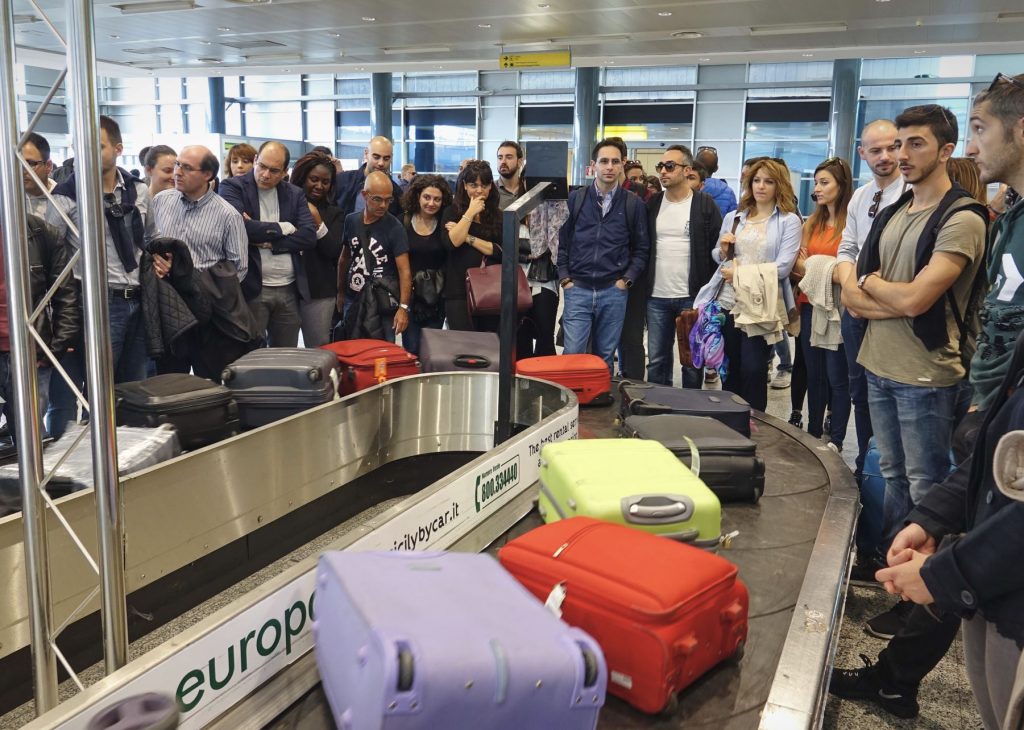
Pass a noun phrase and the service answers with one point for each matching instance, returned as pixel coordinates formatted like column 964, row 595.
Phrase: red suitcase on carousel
column 585, row 375
column 365, row 363
column 663, row 612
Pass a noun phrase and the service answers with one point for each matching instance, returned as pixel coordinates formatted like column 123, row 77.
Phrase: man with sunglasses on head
column 916, row 283
column 279, row 227
column 878, row 150
column 684, row 226
column 717, row 188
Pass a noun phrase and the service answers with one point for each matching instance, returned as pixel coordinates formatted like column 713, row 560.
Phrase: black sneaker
column 885, row 625
column 863, row 573
column 826, row 427
column 796, row 418
column 866, row 684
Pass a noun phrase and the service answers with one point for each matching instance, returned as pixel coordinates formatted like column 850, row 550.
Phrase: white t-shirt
column 277, row 269
column 672, row 265
column 858, row 220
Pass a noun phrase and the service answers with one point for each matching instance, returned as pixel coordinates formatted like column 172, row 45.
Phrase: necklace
column 418, row 225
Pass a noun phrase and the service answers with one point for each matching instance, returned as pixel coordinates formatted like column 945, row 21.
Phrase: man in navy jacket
column 279, row 226
column 348, row 186
column 602, row 250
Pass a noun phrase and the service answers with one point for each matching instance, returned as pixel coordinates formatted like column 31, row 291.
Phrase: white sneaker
column 711, row 380
column 782, row 379
column 832, row 447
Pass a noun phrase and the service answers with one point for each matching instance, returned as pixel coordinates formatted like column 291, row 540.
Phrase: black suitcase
column 275, row 382
column 202, row 411
column 443, row 351
column 645, row 399
column 728, row 461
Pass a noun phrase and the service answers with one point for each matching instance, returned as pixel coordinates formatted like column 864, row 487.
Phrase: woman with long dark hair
column 425, row 200
column 828, row 380
column 473, row 228
column 314, row 173
column 767, row 231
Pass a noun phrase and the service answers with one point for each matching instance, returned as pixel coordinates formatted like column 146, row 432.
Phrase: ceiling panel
column 335, row 35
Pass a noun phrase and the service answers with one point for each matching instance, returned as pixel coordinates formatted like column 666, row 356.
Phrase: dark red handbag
column 483, row 290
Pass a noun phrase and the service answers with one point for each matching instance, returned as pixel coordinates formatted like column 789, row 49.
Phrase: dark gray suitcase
column 204, row 412
column 275, row 382
column 645, row 399
column 727, row 460
column 443, row 351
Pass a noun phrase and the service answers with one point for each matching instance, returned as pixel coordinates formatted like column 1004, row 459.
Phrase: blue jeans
column 826, row 375
column 7, row 391
column 853, row 334
column 128, row 358
column 913, row 430
column 784, row 353
column 597, row 311
column 661, row 337
column 414, row 332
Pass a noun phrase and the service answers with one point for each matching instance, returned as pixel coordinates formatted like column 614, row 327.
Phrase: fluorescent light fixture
column 1002, row 16
column 689, row 34
column 416, row 49
column 156, row 6
column 273, row 58
column 791, row 29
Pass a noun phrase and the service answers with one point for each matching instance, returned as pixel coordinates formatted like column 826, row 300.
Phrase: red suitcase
column 585, row 375
column 663, row 612
column 365, row 363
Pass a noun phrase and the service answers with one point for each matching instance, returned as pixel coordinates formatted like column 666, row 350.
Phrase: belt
column 128, row 292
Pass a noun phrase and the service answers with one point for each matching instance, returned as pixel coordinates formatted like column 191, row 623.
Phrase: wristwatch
column 404, row 306
column 470, row 240
column 565, row 282
column 629, row 283
column 864, row 278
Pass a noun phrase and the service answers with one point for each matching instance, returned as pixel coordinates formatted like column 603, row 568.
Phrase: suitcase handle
column 663, row 511
column 472, row 362
column 656, row 509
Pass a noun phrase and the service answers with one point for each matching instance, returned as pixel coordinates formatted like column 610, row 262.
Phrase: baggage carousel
column 221, row 546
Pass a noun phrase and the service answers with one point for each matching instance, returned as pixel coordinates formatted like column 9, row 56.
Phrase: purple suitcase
column 433, row 640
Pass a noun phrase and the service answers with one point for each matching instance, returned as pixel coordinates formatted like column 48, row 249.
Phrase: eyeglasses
column 35, row 163
column 271, row 170
column 115, row 209
column 378, row 200
column 669, row 166
column 875, row 202
column 707, row 149
column 185, row 168
column 1009, row 79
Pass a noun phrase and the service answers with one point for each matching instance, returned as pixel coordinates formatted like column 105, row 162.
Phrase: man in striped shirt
column 213, row 231
column 210, row 226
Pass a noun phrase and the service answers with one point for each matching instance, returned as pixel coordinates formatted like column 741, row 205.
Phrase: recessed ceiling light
column 115, row 36
column 368, row 19
column 335, row 35
column 687, row 34
column 807, row 55
column 156, row 6
column 543, row 6
column 440, row 66
column 483, row 25
column 920, row 52
column 223, row 29
column 207, row 43
column 611, row 63
column 665, row 14
column 881, row 1
column 360, row 68
column 704, row 60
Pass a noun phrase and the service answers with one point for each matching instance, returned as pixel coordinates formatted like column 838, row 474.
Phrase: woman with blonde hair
column 828, row 379
column 964, row 171
column 765, row 229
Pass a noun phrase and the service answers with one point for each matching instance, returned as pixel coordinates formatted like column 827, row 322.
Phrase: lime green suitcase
column 633, row 482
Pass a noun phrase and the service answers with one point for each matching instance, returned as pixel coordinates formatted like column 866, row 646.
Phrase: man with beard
column 511, row 161
column 878, row 150
column 348, row 186
column 916, row 276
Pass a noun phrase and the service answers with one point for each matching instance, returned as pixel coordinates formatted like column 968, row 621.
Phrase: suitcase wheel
column 757, row 494
column 737, row 656
column 405, row 669
column 314, row 375
column 590, row 667
column 671, row 705
column 227, row 375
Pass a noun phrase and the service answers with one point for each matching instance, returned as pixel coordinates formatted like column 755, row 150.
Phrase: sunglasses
column 707, row 148
column 945, row 114
column 1008, row 79
column 875, row 202
column 668, row 166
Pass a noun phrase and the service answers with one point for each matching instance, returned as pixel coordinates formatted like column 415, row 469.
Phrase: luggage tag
column 555, row 599
column 380, row 369
column 694, row 456
column 336, row 382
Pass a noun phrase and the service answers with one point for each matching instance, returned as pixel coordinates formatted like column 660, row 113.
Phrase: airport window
column 273, row 119
column 545, row 123
column 448, row 85
column 439, row 139
column 270, row 88
column 909, row 68
column 320, row 123
column 638, row 78
column 541, row 80
column 319, row 84
column 653, row 122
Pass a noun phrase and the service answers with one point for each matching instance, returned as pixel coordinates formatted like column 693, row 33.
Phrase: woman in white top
column 768, row 231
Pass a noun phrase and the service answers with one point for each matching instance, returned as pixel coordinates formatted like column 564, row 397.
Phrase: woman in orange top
column 827, row 375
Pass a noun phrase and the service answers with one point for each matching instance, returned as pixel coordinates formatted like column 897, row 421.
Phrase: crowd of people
column 903, row 297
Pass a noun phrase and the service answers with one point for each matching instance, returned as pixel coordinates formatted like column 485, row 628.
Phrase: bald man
column 376, row 254
column 279, row 228
column 878, row 150
column 348, row 186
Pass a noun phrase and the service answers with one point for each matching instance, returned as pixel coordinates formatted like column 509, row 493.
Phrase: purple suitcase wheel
column 150, row 711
